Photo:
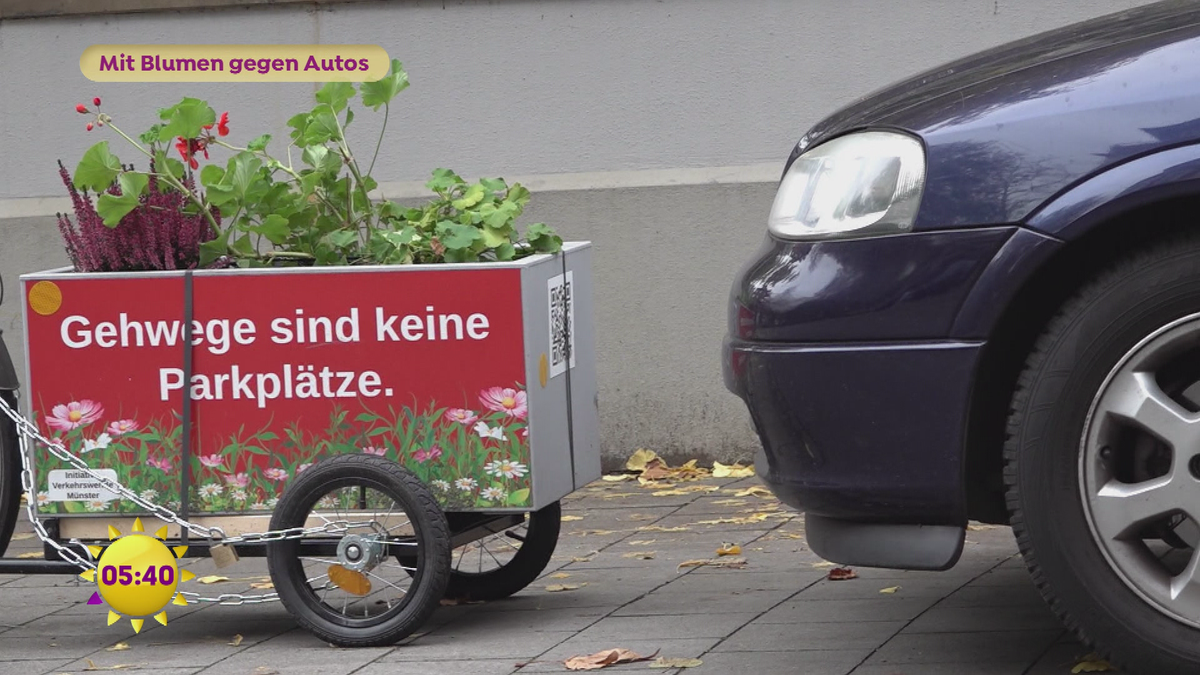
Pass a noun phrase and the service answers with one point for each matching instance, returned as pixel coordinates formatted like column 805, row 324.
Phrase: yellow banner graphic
column 234, row 63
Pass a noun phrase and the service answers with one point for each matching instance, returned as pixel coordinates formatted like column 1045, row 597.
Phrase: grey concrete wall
column 605, row 104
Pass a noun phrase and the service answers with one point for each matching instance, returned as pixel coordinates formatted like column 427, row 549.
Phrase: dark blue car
column 980, row 299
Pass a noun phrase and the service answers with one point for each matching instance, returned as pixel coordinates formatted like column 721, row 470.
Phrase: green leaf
column 335, row 94
column 97, row 168
column 211, row 175
column 518, row 497
column 259, row 144
column 322, row 159
column 518, row 194
column 342, row 238
column 349, row 117
column 543, row 239
column 506, row 251
column 186, row 118
column 150, row 136
column 322, row 127
column 494, row 184
column 211, row 250
column 493, row 238
column 383, row 90
column 443, row 180
column 471, row 197
column 274, row 227
column 243, row 247
column 113, row 208
column 456, row 235
column 299, row 123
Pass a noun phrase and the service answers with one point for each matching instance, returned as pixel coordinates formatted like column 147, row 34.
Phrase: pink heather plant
column 122, row 427
column 506, row 400
column 156, row 235
column 74, row 415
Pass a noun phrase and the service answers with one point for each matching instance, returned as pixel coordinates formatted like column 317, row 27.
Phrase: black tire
column 1069, row 365
column 432, row 535
column 522, row 569
column 10, row 474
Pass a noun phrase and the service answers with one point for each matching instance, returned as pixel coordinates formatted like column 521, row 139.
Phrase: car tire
column 10, row 475
column 1061, row 396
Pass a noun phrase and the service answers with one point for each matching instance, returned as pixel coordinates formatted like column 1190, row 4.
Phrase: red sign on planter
column 287, row 367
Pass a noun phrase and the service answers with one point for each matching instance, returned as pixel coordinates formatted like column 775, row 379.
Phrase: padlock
column 223, row 555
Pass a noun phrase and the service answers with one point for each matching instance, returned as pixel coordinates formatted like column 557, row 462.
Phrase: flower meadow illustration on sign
column 470, row 458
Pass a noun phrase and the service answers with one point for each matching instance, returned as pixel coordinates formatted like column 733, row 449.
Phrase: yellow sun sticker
column 137, row 575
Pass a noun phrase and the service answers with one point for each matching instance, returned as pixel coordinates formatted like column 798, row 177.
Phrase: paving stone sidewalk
column 778, row 615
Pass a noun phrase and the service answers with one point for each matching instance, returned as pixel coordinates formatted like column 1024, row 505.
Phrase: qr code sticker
column 562, row 324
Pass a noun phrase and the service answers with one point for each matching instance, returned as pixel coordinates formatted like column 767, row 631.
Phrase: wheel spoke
column 1186, row 584
column 1121, row 509
column 1137, row 398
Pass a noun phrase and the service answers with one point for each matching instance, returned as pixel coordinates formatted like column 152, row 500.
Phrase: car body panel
column 1008, row 129
column 1005, row 274
column 906, row 286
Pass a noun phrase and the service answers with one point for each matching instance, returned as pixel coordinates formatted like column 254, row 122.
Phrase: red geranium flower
column 222, row 125
column 188, row 149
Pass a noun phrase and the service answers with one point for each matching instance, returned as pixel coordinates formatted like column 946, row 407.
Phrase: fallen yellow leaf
column 1092, row 663
column 730, row 502
column 619, row 477
column 641, row 542
column 236, row 641
column 640, row 555
column 29, row 555
column 558, row 588
column 720, row 470
column 604, row 659
column 568, row 519
column 91, row 665
column 262, row 585
column 725, row 563
column 729, row 549
column 660, row 528
column 669, row 493
column 119, row 647
column 756, row 491
column 560, row 575
column 211, row 579
column 823, row 564
column 661, row 662
column 891, row 590
column 639, row 459
column 585, row 558
column 22, row 536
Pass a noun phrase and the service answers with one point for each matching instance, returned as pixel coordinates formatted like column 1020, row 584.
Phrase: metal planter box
column 479, row 378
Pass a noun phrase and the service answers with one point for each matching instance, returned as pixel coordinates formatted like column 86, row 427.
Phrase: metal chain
column 28, row 431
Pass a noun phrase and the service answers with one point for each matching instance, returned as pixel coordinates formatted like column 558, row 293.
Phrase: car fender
column 1067, row 217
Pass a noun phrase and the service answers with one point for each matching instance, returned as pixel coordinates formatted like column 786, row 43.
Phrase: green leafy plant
column 318, row 210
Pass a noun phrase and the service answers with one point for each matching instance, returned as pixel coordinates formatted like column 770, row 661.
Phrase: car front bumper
column 841, row 351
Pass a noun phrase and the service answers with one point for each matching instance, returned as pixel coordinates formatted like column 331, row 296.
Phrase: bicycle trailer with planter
column 385, row 436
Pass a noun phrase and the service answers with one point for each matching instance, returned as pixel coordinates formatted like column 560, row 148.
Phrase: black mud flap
column 8, row 374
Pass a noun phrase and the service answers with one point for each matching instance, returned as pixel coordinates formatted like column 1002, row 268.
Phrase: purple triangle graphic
column 95, row 599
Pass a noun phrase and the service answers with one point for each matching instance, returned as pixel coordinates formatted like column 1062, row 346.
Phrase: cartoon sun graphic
column 137, row 575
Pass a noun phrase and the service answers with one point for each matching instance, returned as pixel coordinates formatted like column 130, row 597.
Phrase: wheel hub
column 1140, row 472
column 359, row 553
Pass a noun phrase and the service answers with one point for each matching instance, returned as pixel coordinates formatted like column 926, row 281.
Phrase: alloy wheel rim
column 1139, row 470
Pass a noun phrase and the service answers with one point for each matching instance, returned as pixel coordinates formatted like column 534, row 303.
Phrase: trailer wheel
column 504, row 563
column 345, row 585
column 10, row 475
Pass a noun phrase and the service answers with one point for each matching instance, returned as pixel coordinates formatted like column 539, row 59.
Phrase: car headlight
column 862, row 183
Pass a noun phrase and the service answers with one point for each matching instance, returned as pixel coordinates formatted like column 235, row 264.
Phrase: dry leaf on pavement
column 823, row 564
column 755, row 491
column 211, row 579
column 660, row 528
column 604, row 659
column 641, row 542
column 558, row 588
column 841, row 574
column 560, row 575
column 619, row 477
column 236, row 641
column 587, row 557
column 22, row 536
column 639, row 459
column 730, row 502
column 119, row 647
column 720, row 470
column 91, row 665
column 262, row 585
column 891, row 590
column 669, row 493
column 567, row 519
column 1092, row 663
column 29, row 555
column 724, row 563
column 729, row 549
column 662, row 662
